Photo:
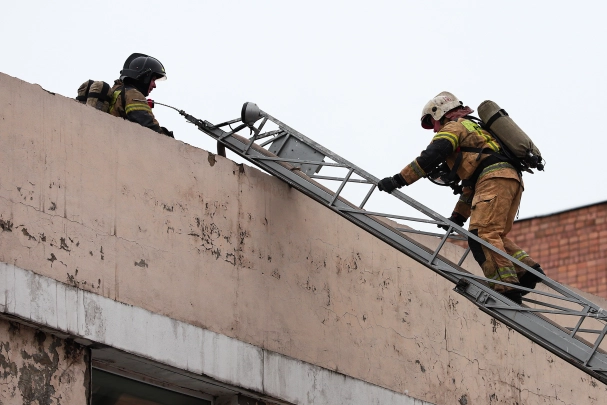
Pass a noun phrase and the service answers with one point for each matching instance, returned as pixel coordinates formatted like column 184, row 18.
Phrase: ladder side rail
column 268, row 134
column 313, row 162
column 390, row 216
column 314, row 176
column 561, row 311
column 583, row 312
column 588, row 330
column 438, row 235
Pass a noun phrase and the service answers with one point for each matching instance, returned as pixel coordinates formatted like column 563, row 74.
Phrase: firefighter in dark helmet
column 492, row 188
column 138, row 78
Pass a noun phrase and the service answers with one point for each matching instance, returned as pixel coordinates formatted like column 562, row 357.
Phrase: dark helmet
column 142, row 68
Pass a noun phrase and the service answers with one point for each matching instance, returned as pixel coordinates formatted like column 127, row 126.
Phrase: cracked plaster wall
column 37, row 368
column 118, row 210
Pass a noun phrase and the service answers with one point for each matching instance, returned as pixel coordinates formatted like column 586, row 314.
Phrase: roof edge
column 562, row 212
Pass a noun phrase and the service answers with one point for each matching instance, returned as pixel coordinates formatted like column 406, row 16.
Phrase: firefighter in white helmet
column 491, row 188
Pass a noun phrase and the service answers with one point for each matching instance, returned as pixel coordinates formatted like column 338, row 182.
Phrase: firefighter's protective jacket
column 131, row 106
column 447, row 146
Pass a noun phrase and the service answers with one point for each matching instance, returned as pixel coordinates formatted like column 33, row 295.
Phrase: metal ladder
column 553, row 318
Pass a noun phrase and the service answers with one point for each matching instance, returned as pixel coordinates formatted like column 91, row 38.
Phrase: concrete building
column 136, row 269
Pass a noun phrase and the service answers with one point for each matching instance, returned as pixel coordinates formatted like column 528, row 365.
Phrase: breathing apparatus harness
column 442, row 175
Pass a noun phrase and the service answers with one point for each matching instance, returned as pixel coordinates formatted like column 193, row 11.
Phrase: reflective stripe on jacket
column 446, row 146
column 136, row 111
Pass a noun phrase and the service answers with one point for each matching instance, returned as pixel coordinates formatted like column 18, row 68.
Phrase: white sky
column 352, row 75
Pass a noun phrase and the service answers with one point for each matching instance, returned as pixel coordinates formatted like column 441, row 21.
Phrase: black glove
column 166, row 132
column 390, row 183
column 457, row 218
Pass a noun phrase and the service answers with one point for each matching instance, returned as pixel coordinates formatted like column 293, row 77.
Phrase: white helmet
column 438, row 107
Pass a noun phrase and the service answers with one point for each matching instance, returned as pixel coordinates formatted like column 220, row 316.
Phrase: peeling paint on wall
column 37, row 368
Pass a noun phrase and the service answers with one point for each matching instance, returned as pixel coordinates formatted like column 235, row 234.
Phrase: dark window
column 111, row 389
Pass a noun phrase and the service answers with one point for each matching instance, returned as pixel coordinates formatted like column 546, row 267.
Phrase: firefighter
column 491, row 188
column 137, row 79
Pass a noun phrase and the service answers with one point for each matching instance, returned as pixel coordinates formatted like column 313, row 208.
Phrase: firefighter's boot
column 529, row 280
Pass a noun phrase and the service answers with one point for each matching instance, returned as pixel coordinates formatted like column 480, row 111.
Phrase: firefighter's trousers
column 494, row 207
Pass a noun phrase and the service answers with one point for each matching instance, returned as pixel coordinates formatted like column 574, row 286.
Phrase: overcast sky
column 352, row 75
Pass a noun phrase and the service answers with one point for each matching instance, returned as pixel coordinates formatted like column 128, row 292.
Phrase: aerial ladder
column 556, row 318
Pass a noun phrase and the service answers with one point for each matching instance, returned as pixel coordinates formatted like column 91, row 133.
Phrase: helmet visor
column 427, row 122
column 159, row 78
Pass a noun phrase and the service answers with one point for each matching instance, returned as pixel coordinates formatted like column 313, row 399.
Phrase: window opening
column 112, row 389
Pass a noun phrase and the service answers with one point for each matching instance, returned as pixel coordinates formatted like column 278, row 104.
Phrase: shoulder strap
column 500, row 113
column 486, row 151
column 102, row 95
column 84, row 96
column 114, row 97
column 505, row 154
column 494, row 157
column 105, row 92
column 123, row 96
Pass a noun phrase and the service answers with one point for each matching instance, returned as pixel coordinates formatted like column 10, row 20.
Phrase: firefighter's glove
column 166, row 132
column 456, row 218
column 389, row 184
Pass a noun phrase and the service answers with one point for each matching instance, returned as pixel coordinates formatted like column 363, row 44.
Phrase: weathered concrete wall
column 115, row 209
column 37, row 368
column 124, row 337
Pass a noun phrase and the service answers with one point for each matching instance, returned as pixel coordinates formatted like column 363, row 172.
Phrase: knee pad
column 476, row 248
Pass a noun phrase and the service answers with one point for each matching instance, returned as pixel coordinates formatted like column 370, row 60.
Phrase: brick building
column 570, row 245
